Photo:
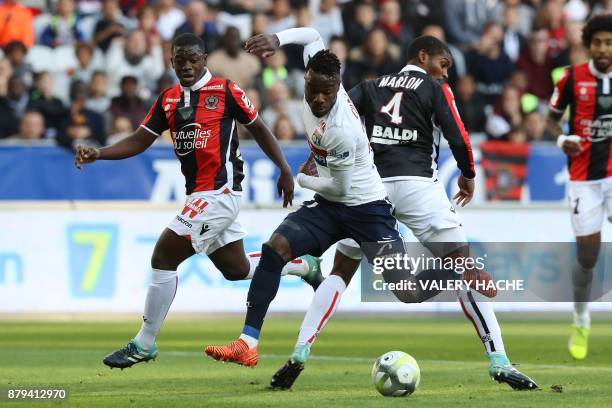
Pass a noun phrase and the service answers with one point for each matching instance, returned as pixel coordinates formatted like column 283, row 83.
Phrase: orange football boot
column 237, row 351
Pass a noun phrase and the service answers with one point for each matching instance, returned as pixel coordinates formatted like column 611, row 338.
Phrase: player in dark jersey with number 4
column 201, row 114
column 585, row 88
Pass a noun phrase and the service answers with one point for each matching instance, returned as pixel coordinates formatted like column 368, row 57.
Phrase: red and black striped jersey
column 587, row 93
column 202, row 122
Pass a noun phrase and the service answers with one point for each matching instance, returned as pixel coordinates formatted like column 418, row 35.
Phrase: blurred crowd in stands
column 88, row 71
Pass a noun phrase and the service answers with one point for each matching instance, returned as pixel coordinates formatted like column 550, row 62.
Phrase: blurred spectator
column 489, row 64
column 458, row 69
column 338, row 46
column 602, row 6
column 128, row 103
column 326, row 18
column 85, row 56
column 169, row 18
column 534, row 125
column 111, row 25
column 575, row 52
column 199, row 22
column 550, row 18
column 517, row 135
column 274, row 70
column 31, row 127
column 513, row 41
column 129, row 57
column 471, row 108
column 13, row 106
column 259, row 24
column 576, row 10
column 233, row 62
column 524, row 15
column 465, row 20
column 43, row 101
column 360, row 24
column 131, row 7
column 391, row 22
column 6, row 71
column 507, row 113
column 121, row 128
column 64, row 27
column 281, row 18
column 147, row 20
column 420, row 13
column 537, row 64
column 16, row 53
column 280, row 104
column 375, row 58
column 16, row 23
column 283, row 129
column 81, row 124
column 98, row 100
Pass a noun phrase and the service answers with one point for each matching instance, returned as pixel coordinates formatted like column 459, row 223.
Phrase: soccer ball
column 396, row 374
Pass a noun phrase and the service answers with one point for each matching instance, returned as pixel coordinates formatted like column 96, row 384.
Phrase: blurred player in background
column 585, row 88
column 201, row 114
column 401, row 113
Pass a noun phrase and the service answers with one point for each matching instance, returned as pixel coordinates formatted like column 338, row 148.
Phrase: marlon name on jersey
column 191, row 137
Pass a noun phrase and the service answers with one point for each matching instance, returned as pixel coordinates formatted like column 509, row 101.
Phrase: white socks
column 159, row 298
column 483, row 318
column 321, row 309
column 582, row 279
column 297, row 267
column 250, row 340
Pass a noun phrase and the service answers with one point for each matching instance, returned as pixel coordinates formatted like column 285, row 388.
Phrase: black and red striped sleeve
column 446, row 116
column 562, row 94
column 243, row 109
column 156, row 121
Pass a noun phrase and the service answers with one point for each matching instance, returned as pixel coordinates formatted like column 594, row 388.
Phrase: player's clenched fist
column 85, row 154
column 263, row 45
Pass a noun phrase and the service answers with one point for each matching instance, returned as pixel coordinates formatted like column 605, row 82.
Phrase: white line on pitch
column 425, row 361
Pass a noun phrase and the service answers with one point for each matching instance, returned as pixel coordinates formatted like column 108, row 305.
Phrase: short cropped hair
column 431, row 45
column 188, row 39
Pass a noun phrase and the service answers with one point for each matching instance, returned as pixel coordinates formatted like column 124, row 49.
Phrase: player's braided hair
column 599, row 22
column 325, row 63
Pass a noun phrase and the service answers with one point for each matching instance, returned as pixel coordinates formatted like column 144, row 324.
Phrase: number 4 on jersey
column 393, row 108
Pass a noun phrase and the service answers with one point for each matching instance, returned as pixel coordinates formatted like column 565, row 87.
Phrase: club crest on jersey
column 194, row 207
column 316, row 137
column 211, row 102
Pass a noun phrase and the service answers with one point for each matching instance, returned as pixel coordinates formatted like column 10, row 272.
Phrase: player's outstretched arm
column 132, row 145
column 266, row 45
column 268, row 143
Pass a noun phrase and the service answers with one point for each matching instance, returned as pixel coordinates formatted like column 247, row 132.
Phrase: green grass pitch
column 453, row 366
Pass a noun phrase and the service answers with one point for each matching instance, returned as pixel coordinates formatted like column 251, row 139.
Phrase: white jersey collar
column 411, row 67
column 596, row 73
column 203, row 81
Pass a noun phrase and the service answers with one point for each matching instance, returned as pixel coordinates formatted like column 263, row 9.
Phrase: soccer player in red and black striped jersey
column 201, row 114
column 585, row 89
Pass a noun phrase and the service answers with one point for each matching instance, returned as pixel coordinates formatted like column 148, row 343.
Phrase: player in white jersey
column 350, row 200
column 420, row 201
